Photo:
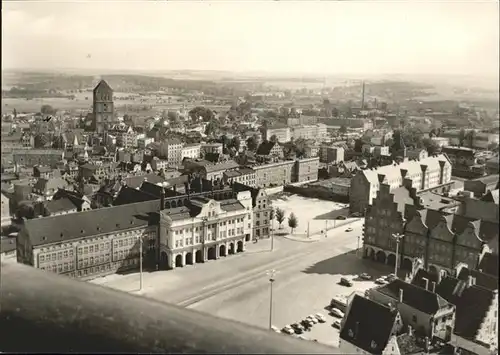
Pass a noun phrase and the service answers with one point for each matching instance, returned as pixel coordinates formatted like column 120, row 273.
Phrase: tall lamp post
column 398, row 238
column 271, row 274
column 140, row 262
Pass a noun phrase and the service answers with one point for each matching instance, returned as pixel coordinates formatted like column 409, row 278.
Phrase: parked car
column 356, row 214
column 307, row 324
column 313, row 319
column 390, row 277
column 365, row 276
column 336, row 324
column 341, row 217
column 287, row 329
column 298, row 328
column 276, row 329
column 349, row 229
column 337, row 313
column 381, row 281
column 321, row 318
column 345, row 282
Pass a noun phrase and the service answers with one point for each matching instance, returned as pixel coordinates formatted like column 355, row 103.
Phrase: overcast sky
column 304, row 36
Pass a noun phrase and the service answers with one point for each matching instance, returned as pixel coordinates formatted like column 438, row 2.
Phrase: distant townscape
column 369, row 212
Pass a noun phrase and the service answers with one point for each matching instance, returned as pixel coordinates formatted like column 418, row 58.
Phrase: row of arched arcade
column 405, row 263
column 173, row 259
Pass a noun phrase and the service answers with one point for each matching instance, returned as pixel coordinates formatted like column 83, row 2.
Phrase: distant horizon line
column 104, row 71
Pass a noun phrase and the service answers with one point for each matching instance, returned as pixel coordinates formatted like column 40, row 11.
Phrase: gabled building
column 476, row 324
column 429, row 314
column 358, row 335
column 432, row 173
column 268, row 149
column 46, row 188
column 55, row 207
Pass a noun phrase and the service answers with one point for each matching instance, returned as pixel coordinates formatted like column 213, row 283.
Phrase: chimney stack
column 433, row 286
column 426, row 282
column 410, row 330
column 471, row 281
column 162, row 199
column 356, row 330
column 400, row 295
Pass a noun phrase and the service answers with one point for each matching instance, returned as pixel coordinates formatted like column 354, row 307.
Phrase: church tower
column 103, row 108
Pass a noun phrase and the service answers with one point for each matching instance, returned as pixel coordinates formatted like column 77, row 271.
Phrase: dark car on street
column 298, row 328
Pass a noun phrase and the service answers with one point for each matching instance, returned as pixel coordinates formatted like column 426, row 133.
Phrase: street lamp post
column 271, row 273
column 398, row 238
column 140, row 262
column 272, row 234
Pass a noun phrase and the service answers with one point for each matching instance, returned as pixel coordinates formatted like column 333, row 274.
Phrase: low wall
column 274, row 190
column 318, row 192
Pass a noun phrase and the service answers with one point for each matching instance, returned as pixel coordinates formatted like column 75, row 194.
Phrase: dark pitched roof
column 358, row 327
column 63, row 204
column 414, row 296
column 83, row 224
column 102, row 85
column 47, row 184
column 471, row 309
column 418, row 279
column 265, row 148
column 129, row 195
column 136, row 181
column 489, row 264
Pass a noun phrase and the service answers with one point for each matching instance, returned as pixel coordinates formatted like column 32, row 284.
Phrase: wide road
column 193, row 283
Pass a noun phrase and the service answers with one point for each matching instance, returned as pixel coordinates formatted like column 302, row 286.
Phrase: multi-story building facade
column 269, row 149
column 425, row 174
column 142, row 143
column 32, row 157
column 245, row 176
column 282, row 133
column 306, row 170
column 217, row 229
column 440, row 239
column 317, row 131
column 102, row 108
column 174, row 151
column 191, row 151
column 208, row 170
column 214, row 148
column 331, row 154
column 157, row 164
column 8, row 252
column 102, row 241
column 279, row 173
column 125, row 135
column 262, row 210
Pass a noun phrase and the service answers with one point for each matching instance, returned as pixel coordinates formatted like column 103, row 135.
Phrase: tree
column 206, row 114
column 14, row 113
column 343, row 129
column 358, row 145
column 292, row 221
column 25, row 210
column 252, row 143
column 431, row 146
column 47, row 110
column 211, row 127
column 280, row 216
column 236, row 143
column 273, row 138
column 461, row 137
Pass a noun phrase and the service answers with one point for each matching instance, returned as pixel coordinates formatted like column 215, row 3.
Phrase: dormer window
column 373, row 344
column 350, row 333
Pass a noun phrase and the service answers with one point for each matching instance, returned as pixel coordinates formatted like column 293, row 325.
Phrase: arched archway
column 167, row 204
column 212, row 253
column 433, row 273
column 406, row 264
column 391, row 259
column 247, row 238
column 240, row 247
column 199, row 256
column 231, row 248
column 164, row 260
column 189, row 259
column 222, row 250
column 369, row 253
column 380, row 257
column 178, row 261
column 173, row 204
column 186, row 201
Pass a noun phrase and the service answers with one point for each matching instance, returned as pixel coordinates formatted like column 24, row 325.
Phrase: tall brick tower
column 103, row 108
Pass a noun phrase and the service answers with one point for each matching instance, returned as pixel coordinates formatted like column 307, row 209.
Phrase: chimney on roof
column 175, row 187
column 400, row 295
column 410, row 330
column 427, row 345
column 471, row 281
column 426, row 282
column 433, row 286
column 162, row 199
